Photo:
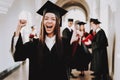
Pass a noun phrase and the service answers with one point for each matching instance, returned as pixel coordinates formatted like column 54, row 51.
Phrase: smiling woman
column 50, row 22
column 47, row 55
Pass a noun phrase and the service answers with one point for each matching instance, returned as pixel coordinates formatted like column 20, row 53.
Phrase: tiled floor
column 22, row 74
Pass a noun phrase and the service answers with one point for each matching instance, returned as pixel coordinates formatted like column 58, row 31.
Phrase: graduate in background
column 47, row 55
column 67, row 33
column 99, row 64
column 33, row 33
column 81, row 58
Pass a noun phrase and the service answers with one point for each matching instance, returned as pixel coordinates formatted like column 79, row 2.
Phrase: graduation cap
column 70, row 19
column 92, row 19
column 81, row 23
column 51, row 7
column 95, row 21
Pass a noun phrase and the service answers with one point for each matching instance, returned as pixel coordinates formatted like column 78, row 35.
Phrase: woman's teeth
column 49, row 26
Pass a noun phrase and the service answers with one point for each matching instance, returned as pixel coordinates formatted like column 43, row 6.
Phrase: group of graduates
column 80, row 58
column 52, row 57
column 88, row 48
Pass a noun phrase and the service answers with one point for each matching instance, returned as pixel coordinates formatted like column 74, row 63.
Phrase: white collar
column 70, row 29
column 98, row 29
column 50, row 41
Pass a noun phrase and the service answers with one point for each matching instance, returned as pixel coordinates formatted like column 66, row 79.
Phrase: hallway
column 21, row 73
column 107, row 11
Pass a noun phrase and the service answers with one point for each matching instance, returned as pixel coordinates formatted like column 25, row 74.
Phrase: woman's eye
column 46, row 18
column 53, row 19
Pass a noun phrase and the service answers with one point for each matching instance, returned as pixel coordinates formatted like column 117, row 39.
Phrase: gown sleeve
column 21, row 51
column 67, row 51
column 100, row 40
column 64, row 34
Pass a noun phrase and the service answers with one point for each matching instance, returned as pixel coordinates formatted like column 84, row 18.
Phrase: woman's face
column 81, row 27
column 49, row 23
column 93, row 26
column 76, row 26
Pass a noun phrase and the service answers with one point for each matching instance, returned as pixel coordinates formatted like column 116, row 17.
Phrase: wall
column 117, row 44
column 110, row 15
column 8, row 23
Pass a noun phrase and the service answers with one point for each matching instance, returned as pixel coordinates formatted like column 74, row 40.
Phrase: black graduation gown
column 99, row 62
column 43, row 63
column 67, row 34
column 80, row 59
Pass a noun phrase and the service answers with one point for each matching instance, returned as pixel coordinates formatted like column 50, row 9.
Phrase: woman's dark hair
column 56, row 30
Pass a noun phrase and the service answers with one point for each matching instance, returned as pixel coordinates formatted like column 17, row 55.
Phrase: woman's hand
column 80, row 33
column 21, row 24
column 89, row 42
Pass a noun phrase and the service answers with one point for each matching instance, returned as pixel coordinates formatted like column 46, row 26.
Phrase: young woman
column 47, row 55
column 81, row 58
